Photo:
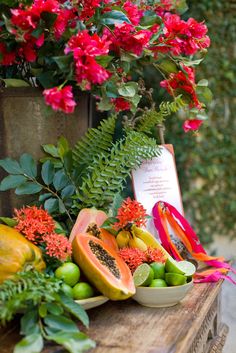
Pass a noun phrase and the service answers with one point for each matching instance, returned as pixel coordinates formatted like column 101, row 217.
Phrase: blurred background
column 206, row 161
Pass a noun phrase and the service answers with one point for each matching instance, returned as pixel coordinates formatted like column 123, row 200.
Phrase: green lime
column 187, row 267
column 69, row 273
column 158, row 269
column 158, row 282
column 82, row 290
column 175, row 279
column 67, row 290
column 173, row 266
column 143, row 275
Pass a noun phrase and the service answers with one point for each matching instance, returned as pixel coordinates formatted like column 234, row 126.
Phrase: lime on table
column 175, row 279
column 158, row 269
column 182, row 267
column 82, row 290
column 143, row 275
column 158, row 282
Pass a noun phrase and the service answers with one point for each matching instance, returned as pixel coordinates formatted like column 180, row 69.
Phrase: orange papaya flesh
column 17, row 253
column 103, row 267
column 86, row 217
column 103, row 235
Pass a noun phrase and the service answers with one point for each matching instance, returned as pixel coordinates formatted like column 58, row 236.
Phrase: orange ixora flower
column 131, row 211
column 38, row 226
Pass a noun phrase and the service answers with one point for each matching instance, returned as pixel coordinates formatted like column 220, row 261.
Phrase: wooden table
column 192, row 326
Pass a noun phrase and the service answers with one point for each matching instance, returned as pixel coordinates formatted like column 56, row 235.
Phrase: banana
column 148, row 239
column 135, row 242
column 123, row 238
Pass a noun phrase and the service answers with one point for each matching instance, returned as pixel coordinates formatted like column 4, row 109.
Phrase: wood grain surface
column 127, row 327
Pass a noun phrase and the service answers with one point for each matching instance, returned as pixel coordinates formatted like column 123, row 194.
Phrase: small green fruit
column 158, row 282
column 158, row 269
column 82, row 290
column 69, row 273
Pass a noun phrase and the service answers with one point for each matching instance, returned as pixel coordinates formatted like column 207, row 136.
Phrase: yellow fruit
column 123, row 238
column 135, row 242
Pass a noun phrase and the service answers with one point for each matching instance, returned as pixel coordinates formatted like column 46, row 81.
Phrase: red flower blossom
column 86, row 48
column 133, row 12
column 131, row 211
column 183, row 82
column 192, row 125
column 57, row 246
column 60, row 99
column 121, row 104
column 132, row 257
column 34, row 223
column 39, row 227
column 6, row 57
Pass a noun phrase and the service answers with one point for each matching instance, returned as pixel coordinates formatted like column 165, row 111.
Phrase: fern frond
column 108, row 173
column 95, row 141
column 167, row 108
column 25, row 288
column 151, row 118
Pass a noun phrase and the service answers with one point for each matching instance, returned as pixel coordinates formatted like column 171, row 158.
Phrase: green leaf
column 47, row 172
column 11, row 182
column 9, row 221
column 68, row 161
column 114, row 17
column 104, row 60
column 75, row 309
column 14, row 82
column 28, row 189
column 73, row 342
column 104, row 104
column 150, row 18
column 28, row 165
column 63, row 146
column 61, row 323
column 43, row 310
column 60, row 180
column 28, row 323
column 64, row 62
column 49, row 18
column 30, row 344
column 203, row 83
column 51, row 149
column 204, row 94
column 11, row 166
column 67, row 192
column 62, row 208
column 128, row 89
column 54, row 309
column 45, row 196
column 51, row 205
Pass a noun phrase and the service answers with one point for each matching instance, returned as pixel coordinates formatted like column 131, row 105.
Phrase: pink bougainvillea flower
column 60, row 99
column 57, row 246
column 192, row 125
column 131, row 211
column 6, row 57
column 121, row 104
column 183, row 81
column 33, row 222
column 133, row 12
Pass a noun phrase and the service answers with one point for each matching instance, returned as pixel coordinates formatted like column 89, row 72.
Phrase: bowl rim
column 166, row 288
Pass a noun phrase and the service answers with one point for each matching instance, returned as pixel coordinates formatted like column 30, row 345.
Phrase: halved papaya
column 86, row 217
column 103, row 267
column 89, row 221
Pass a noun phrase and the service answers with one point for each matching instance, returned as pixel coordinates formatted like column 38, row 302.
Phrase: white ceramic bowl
column 161, row 297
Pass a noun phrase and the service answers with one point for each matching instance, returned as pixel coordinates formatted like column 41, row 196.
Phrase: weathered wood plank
column 127, row 327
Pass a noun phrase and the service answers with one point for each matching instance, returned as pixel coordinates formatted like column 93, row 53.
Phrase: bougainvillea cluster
column 101, row 46
column 39, row 227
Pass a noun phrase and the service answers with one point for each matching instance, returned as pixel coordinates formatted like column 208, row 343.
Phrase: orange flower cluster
column 134, row 257
column 39, row 227
column 131, row 211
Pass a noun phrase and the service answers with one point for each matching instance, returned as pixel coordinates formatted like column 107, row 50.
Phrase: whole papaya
column 17, row 253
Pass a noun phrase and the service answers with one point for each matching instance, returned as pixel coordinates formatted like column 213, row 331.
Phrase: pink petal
column 192, row 125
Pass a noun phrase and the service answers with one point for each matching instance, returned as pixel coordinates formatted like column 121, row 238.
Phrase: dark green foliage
column 207, row 163
column 107, row 174
column 46, row 313
column 95, row 142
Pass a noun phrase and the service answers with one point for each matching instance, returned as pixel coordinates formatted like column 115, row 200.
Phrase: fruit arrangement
column 170, row 273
